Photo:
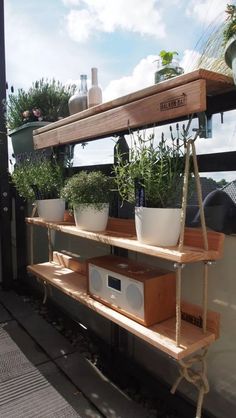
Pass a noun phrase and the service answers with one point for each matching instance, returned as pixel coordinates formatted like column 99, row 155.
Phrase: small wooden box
column 142, row 293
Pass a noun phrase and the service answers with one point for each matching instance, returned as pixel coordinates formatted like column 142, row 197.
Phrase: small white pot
column 51, row 210
column 89, row 218
column 158, row 226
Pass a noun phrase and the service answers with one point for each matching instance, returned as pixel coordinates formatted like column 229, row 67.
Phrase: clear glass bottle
column 95, row 92
column 79, row 102
column 164, row 72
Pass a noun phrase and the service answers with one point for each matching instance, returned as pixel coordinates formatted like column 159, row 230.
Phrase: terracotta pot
column 69, row 217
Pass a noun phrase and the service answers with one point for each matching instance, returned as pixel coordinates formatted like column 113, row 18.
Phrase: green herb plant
column 87, row 188
column 38, row 177
column 230, row 29
column 46, row 100
column 167, row 56
column 158, row 169
column 167, row 68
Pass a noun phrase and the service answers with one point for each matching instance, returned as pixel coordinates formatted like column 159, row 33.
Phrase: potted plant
column 88, row 194
column 39, row 179
column 167, row 66
column 152, row 179
column 229, row 39
column 45, row 101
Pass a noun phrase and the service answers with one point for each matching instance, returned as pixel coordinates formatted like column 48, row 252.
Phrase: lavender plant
column 36, row 176
column 155, row 170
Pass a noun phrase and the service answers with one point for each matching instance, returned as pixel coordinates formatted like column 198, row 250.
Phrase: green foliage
column 38, row 177
column 167, row 68
column 88, row 188
column 48, row 97
column 158, row 169
column 167, row 56
column 230, row 29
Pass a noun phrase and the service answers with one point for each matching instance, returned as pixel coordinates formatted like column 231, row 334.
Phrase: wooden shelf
column 161, row 336
column 165, row 102
column 121, row 233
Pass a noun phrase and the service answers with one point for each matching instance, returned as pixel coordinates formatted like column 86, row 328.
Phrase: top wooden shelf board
column 121, row 233
column 166, row 102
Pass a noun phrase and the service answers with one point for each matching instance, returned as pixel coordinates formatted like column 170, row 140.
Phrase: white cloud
column 141, row 77
column 33, row 52
column 80, row 25
column 71, row 3
column 207, row 10
column 223, row 135
column 108, row 16
column 190, row 60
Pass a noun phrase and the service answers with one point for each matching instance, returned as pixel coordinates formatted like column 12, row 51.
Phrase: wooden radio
column 143, row 293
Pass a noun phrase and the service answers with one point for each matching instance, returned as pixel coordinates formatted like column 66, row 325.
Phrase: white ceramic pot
column 51, row 209
column 89, row 218
column 158, row 226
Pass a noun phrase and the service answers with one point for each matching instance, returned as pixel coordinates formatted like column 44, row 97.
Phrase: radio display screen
column 114, row 283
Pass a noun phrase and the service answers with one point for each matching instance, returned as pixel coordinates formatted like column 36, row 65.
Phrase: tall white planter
column 51, row 209
column 158, row 226
column 89, row 218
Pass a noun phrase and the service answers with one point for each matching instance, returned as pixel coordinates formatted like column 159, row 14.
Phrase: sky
column 62, row 39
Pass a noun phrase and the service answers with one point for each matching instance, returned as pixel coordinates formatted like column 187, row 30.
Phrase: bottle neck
column 94, row 76
column 83, row 85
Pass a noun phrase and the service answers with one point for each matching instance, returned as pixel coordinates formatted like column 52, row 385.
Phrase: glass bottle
column 95, row 92
column 78, row 102
column 164, row 72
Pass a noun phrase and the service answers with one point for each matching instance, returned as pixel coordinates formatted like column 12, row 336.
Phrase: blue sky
column 64, row 38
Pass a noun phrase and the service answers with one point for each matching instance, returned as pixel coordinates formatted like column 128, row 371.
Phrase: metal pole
column 5, row 192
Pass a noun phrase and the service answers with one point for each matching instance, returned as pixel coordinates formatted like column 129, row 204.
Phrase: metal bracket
column 178, row 265
column 205, row 125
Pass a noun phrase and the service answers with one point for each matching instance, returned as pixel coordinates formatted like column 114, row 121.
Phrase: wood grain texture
column 216, row 84
column 144, row 112
column 161, row 336
column 192, row 251
column 77, row 265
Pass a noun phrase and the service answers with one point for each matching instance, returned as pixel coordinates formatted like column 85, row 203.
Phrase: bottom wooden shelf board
column 161, row 335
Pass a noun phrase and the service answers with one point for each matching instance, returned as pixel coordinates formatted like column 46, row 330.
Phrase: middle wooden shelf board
column 121, row 233
column 161, row 335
